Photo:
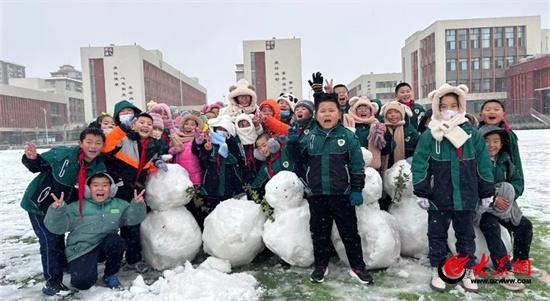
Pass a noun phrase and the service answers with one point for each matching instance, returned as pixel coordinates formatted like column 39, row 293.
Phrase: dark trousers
column 84, row 268
column 463, row 224
column 52, row 249
column 523, row 234
column 132, row 238
column 324, row 209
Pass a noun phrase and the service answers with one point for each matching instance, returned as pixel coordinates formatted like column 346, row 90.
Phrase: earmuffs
column 112, row 192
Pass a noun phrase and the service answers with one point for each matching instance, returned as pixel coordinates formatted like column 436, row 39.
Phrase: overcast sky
column 204, row 38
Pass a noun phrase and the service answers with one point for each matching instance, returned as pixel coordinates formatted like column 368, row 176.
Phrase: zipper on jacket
column 307, row 175
column 347, row 172
column 437, row 147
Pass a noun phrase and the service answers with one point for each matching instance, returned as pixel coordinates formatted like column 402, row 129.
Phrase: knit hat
column 248, row 134
column 242, row 87
column 208, row 107
column 396, row 105
column 493, row 129
column 223, row 121
column 308, row 104
column 162, row 107
column 184, row 116
column 436, row 95
column 290, row 99
column 157, row 121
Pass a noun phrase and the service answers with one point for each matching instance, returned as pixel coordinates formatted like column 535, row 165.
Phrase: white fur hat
column 356, row 101
column 290, row 99
column 223, row 121
column 435, row 97
column 242, row 87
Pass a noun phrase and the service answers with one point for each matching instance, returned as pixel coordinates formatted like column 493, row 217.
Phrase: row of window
column 481, row 85
column 503, row 36
column 499, row 62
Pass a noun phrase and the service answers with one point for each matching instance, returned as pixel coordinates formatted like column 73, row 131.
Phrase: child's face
column 301, row 112
column 492, row 113
column 244, row 100
column 243, row 124
column 156, row 133
column 126, row 111
column 261, row 145
column 91, row 146
column 393, row 116
column 283, row 105
column 100, row 188
column 143, row 126
column 189, row 126
column 342, row 95
column 404, row 94
column 164, row 115
column 215, row 110
column 107, row 123
column 210, row 115
column 448, row 103
column 266, row 110
column 494, row 144
column 327, row 114
column 363, row 111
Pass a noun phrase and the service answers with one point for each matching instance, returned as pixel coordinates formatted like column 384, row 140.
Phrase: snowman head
column 367, row 156
column 284, row 191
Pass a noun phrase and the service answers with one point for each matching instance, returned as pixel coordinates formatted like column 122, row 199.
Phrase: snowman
column 233, row 231
column 288, row 235
column 378, row 230
column 170, row 235
column 411, row 219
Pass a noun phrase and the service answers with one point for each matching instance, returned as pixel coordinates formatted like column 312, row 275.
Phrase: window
column 450, row 39
column 486, row 37
column 486, row 85
column 475, row 63
column 521, row 36
column 451, row 82
column 451, row 64
column 509, row 35
column 500, row 85
column 476, row 85
column 499, row 62
column 474, row 38
column 486, row 63
column 510, row 60
column 498, row 36
column 462, row 39
column 463, row 63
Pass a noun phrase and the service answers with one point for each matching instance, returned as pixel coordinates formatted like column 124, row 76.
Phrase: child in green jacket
column 93, row 230
column 274, row 157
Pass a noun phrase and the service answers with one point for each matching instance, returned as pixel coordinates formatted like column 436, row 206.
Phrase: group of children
column 97, row 188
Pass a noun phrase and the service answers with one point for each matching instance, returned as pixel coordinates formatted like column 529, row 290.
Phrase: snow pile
column 196, row 284
column 165, row 190
column 233, row 231
column 413, row 227
column 213, row 263
column 379, row 237
column 372, row 191
column 170, row 235
column 288, row 235
column 481, row 243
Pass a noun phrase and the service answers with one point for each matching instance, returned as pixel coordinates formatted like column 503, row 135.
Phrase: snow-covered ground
column 21, row 272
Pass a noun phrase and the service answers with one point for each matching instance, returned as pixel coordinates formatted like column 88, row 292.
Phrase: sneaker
column 362, row 275
column 318, row 275
column 467, row 282
column 437, row 284
column 510, row 282
column 140, row 267
column 112, row 282
column 53, row 288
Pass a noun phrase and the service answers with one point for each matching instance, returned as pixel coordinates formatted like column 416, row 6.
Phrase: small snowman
column 288, row 235
column 170, row 235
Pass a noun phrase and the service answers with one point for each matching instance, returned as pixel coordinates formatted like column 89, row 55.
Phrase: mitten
column 356, row 198
column 273, row 146
column 487, row 202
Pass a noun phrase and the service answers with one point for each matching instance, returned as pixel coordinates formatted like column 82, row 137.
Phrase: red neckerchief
column 81, row 179
column 141, row 163
column 250, row 157
column 409, row 103
column 506, row 125
column 269, row 163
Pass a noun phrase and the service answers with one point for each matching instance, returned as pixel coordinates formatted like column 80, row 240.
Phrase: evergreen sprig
column 193, row 192
column 400, row 183
column 260, row 200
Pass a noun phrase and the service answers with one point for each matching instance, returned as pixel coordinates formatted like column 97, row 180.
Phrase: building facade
column 272, row 66
column 113, row 73
column 380, row 85
column 528, row 86
column 10, row 70
column 475, row 52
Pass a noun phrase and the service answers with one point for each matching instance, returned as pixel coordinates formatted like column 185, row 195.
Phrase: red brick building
column 528, row 86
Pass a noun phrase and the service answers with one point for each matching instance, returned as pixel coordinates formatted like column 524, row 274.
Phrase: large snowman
column 288, row 235
column 378, row 230
column 411, row 219
column 170, row 235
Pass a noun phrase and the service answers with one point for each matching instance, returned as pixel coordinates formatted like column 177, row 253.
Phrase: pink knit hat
column 157, row 121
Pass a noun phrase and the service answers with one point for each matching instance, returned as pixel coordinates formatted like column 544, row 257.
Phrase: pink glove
column 376, row 135
column 199, row 137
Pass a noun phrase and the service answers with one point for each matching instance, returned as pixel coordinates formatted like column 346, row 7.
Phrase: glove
column 423, row 203
column 292, row 134
column 223, row 150
column 487, row 202
column 273, row 146
column 376, row 135
column 356, row 198
column 199, row 137
column 161, row 165
column 317, row 83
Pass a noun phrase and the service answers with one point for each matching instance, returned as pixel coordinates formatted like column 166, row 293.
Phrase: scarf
column 250, row 162
column 81, row 179
column 408, row 103
column 398, row 133
column 269, row 163
column 450, row 129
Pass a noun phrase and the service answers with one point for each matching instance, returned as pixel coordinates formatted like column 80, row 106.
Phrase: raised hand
column 139, row 197
column 57, row 202
column 328, row 86
column 317, row 82
column 30, row 151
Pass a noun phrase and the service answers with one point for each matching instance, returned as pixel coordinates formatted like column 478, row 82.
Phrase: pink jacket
column 189, row 161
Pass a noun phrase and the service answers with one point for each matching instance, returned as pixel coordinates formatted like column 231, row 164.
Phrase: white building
column 114, row 73
column 273, row 66
column 10, row 70
column 545, row 40
column 474, row 52
column 379, row 85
